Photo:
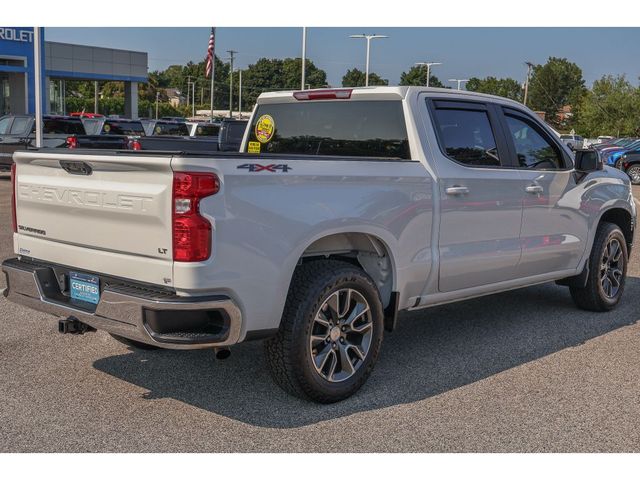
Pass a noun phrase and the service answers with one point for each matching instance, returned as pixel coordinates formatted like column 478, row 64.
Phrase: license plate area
column 84, row 288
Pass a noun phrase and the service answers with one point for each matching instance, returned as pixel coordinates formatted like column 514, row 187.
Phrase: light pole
column 231, row 55
column 368, row 38
column 37, row 60
column 304, row 56
column 191, row 93
column 526, row 83
column 428, row 65
column 459, row 80
column 157, row 98
column 240, row 93
column 95, row 97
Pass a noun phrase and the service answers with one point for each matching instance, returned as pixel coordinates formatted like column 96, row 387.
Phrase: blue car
column 612, row 157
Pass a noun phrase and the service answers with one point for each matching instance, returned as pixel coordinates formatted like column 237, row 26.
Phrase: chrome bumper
column 124, row 309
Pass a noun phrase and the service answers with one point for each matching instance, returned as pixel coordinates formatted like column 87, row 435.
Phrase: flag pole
column 213, row 72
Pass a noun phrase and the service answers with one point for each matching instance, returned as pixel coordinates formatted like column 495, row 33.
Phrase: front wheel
column 607, row 271
column 330, row 334
column 634, row 174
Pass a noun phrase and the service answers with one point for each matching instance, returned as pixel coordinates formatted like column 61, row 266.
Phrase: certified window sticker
column 265, row 128
column 254, row 147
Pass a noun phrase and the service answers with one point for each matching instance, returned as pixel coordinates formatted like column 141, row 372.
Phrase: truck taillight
column 13, row 198
column 72, row 142
column 191, row 231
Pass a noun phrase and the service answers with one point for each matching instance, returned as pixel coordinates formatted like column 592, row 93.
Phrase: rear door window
column 63, row 126
column 335, row 128
column 207, row 130
column 465, row 134
column 179, row 129
column 123, row 128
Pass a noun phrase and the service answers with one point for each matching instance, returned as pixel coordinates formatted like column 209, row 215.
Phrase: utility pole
column 428, row 65
column 526, row 83
column 459, row 80
column 193, row 103
column 304, row 56
column 240, row 94
column 37, row 60
column 95, row 97
column 157, row 98
column 231, row 55
column 188, row 90
column 368, row 38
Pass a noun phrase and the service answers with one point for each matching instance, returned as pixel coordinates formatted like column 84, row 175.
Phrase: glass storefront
column 57, row 92
column 5, row 91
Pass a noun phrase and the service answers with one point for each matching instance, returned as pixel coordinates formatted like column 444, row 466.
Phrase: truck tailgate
column 115, row 218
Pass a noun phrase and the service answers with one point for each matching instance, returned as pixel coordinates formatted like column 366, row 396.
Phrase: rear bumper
column 133, row 311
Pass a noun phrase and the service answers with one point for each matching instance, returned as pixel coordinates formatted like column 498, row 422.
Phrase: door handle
column 456, row 190
column 535, row 189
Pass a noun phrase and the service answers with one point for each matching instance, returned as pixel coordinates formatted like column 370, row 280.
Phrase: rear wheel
column 607, row 271
column 634, row 174
column 133, row 343
column 330, row 334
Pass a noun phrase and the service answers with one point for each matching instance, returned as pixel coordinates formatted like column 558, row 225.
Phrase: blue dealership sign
column 16, row 45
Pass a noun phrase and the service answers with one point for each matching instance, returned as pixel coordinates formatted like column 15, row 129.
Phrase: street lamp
column 459, row 80
column 369, row 38
column 428, row 65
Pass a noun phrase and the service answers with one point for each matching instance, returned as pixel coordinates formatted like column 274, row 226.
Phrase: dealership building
column 62, row 62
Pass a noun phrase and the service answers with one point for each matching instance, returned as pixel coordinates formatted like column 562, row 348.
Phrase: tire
column 634, row 173
column 306, row 358
column 601, row 293
column 134, row 343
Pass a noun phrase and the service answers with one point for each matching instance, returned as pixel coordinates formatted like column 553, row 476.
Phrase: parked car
column 617, row 143
column 611, row 155
column 334, row 217
column 629, row 163
column 17, row 132
column 574, row 142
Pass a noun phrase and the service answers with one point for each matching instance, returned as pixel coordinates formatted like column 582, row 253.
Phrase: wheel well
column 621, row 218
column 362, row 250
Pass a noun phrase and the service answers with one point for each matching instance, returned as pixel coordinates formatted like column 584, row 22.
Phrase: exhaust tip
column 222, row 353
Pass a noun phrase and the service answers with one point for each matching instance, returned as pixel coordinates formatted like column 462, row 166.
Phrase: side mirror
column 588, row 161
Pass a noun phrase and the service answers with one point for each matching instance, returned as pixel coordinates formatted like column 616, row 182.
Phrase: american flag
column 211, row 51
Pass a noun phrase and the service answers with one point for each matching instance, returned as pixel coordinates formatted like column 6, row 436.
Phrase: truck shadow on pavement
column 431, row 352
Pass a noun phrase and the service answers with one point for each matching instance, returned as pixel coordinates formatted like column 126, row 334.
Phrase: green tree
column 611, row 107
column 503, row 87
column 269, row 74
column 417, row 75
column 553, row 85
column 356, row 78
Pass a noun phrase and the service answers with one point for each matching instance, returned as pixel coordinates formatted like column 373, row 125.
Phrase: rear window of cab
column 374, row 129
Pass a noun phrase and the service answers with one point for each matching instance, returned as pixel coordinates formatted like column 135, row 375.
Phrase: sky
column 464, row 51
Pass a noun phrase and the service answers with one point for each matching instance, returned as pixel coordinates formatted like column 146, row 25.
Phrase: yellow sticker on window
column 254, row 147
column 265, row 127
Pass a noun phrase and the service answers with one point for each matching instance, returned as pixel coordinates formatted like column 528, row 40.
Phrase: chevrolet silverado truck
column 343, row 208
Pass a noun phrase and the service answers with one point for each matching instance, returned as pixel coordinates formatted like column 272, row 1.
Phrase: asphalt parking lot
column 516, row 372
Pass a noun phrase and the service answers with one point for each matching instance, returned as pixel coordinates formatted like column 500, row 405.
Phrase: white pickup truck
column 343, row 208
